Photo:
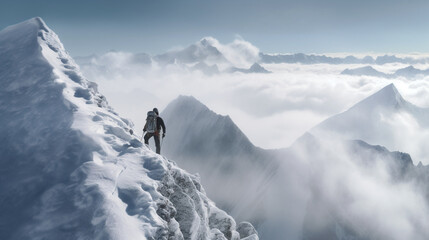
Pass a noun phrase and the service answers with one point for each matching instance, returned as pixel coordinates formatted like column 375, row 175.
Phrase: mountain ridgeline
column 218, row 150
column 299, row 190
column 409, row 72
column 71, row 169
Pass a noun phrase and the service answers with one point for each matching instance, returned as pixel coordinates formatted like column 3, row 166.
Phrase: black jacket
column 159, row 124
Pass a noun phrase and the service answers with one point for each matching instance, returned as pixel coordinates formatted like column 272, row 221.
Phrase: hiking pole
column 141, row 139
column 162, row 140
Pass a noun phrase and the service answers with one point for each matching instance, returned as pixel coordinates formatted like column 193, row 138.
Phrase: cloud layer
column 272, row 109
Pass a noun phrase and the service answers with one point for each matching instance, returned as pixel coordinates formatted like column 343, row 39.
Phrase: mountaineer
column 153, row 126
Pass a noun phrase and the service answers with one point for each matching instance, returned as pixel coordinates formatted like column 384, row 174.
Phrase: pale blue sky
column 96, row 26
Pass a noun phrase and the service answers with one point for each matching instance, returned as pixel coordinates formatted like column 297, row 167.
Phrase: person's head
column 156, row 111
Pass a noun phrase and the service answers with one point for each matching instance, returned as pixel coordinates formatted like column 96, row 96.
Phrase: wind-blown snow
column 70, row 169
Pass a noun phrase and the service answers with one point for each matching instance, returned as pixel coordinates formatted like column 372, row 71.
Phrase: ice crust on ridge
column 69, row 168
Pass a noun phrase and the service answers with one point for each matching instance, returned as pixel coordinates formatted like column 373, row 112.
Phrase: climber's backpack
column 151, row 122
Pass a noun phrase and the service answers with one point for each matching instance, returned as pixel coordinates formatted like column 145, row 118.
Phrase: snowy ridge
column 70, row 168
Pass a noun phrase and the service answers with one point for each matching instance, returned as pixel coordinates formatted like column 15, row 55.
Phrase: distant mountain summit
column 386, row 98
column 364, row 71
column 377, row 120
column 407, row 72
column 350, row 59
column 366, row 113
column 255, row 68
column 206, row 131
column 202, row 51
column 411, row 72
column 71, row 169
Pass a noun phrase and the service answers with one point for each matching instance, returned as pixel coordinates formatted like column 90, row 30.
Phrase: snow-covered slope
column 70, row 169
column 384, row 118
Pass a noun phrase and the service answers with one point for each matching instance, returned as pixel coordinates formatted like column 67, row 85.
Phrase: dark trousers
column 156, row 137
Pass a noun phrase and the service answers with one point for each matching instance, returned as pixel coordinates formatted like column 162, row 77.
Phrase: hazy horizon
column 273, row 26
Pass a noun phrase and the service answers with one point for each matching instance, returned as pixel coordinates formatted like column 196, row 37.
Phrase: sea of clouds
column 272, row 109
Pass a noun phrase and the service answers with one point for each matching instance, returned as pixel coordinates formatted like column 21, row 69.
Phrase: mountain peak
column 189, row 101
column 31, row 25
column 389, row 88
column 187, row 115
column 363, row 71
column 38, row 21
column 388, row 96
column 207, row 41
column 201, row 51
column 257, row 68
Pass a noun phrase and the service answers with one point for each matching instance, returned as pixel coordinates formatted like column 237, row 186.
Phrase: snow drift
column 70, row 169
